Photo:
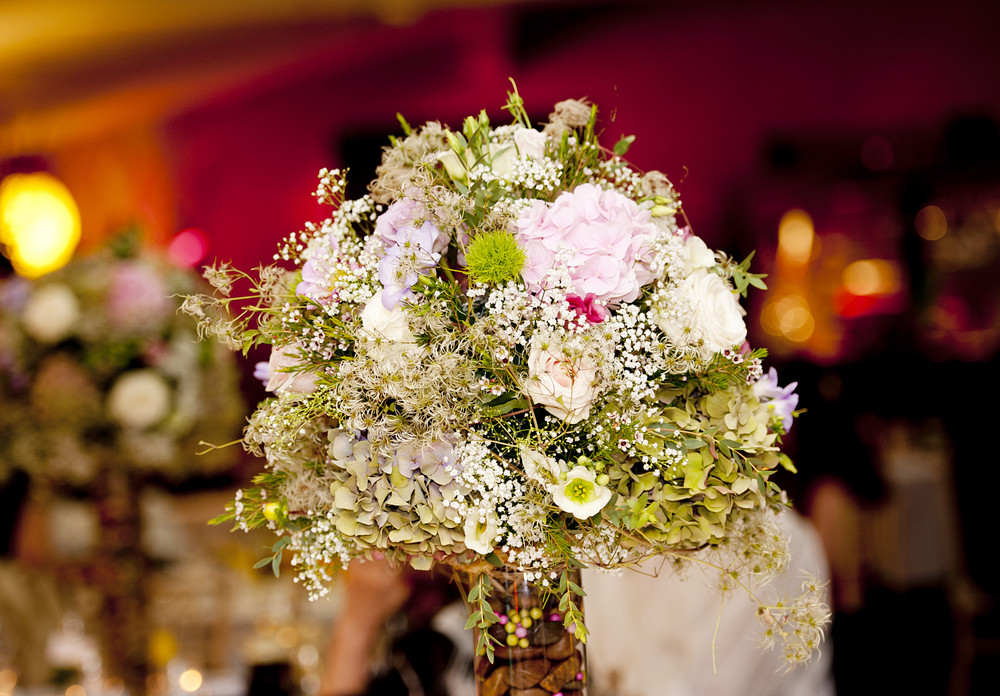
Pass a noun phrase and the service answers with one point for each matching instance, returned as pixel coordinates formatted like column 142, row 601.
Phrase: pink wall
column 700, row 84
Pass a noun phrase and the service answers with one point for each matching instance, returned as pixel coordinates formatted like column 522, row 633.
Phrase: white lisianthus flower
column 480, row 535
column 538, row 467
column 580, row 494
column 139, row 399
column 453, row 164
column 50, row 313
column 283, row 378
column 565, row 387
column 717, row 315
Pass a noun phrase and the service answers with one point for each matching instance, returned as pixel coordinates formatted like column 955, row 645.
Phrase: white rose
column 381, row 323
column 50, row 313
column 283, row 375
column 717, row 315
column 580, row 494
column 480, row 535
column 565, row 387
column 538, row 467
column 139, row 399
column 699, row 255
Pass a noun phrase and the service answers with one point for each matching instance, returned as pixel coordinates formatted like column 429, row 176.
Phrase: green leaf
column 494, row 560
column 622, row 146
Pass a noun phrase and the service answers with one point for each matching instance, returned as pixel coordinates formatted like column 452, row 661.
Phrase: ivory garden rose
column 565, row 386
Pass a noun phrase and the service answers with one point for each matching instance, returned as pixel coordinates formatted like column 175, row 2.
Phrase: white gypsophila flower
column 580, row 494
column 139, row 399
column 50, row 313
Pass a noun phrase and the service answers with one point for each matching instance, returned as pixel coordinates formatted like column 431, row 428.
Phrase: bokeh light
column 39, row 222
column 931, row 223
column 788, row 316
column 795, row 237
column 187, row 248
column 871, row 277
column 190, row 680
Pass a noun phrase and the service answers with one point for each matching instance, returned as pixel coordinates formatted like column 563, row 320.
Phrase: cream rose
column 139, row 399
column 283, row 375
column 565, row 387
column 50, row 313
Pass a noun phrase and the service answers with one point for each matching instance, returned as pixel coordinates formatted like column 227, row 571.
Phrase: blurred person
column 658, row 636
column 385, row 641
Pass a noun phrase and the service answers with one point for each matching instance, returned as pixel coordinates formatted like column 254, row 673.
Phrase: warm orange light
column 788, row 316
column 39, row 222
column 190, row 680
column 795, row 236
column 931, row 223
column 871, row 277
column 8, row 679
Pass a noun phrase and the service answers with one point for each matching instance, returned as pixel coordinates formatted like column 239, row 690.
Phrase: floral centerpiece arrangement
column 513, row 354
column 99, row 370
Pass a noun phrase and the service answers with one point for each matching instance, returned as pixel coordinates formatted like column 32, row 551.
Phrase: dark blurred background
column 853, row 144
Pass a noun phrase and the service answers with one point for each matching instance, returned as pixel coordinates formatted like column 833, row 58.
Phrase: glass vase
column 535, row 655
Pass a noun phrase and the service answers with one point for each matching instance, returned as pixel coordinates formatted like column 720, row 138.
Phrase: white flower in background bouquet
column 99, row 369
column 512, row 353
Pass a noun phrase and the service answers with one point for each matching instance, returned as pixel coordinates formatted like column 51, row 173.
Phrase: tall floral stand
column 536, row 654
column 121, row 572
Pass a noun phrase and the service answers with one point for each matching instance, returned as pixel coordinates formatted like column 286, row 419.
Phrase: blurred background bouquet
column 99, row 370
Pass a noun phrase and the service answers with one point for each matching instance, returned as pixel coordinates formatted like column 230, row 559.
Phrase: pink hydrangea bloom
column 601, row 237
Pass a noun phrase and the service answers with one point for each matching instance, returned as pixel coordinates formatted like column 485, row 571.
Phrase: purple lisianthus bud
column 780, row 401
column 262, row 371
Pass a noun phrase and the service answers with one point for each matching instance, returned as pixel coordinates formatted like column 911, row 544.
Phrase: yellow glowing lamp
column 39, row 222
